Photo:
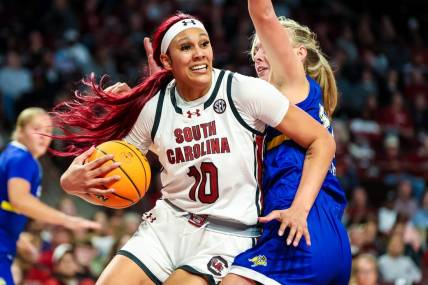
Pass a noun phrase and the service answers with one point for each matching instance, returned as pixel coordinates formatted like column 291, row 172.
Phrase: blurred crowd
column 380, row 57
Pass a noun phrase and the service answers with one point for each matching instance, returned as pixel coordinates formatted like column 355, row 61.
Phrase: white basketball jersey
column 211, row 158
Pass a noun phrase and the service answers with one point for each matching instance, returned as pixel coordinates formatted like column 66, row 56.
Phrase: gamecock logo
column 216, row 265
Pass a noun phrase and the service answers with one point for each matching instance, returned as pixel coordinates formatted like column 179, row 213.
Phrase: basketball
column 134, row 172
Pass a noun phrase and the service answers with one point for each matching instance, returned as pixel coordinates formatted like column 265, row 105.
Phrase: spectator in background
column 104, row 64
column 387, row 215
column 396, row 119
column 66, row 268
column 420, row 114
column 42, row 269
column 59, row 17
column 420, row 218
column 372, row 244
column 405, row 204
column 390, row 159
column 346, row 170
column 88, row 259
column 28, row 250
column 416, row 83
column 392, row 84
column 395, row 266
column 356, row 238
column 411, row 238
column 67, row 206
column 103, row 238
column 364, row 270
column 73, row 57
column 15, row 81
column 359, row 209
column 419, row 159
column 394, row 166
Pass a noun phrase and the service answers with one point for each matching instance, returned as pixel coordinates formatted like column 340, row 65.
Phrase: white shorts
column 167, row 241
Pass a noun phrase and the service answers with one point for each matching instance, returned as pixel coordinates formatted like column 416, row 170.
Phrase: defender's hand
column 292, row 218
column 153, row 66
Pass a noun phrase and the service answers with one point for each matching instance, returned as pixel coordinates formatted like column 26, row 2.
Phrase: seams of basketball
column 129, row 178
column 142, row 163
column 122, row 197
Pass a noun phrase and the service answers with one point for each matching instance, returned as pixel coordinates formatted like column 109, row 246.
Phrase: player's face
column 190, row 58
column 33, row 135
column 261, row 62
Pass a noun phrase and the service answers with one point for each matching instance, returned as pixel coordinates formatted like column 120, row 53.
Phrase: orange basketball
column 134, row 172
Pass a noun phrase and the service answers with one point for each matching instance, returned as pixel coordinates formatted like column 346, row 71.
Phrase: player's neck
column 191, row 92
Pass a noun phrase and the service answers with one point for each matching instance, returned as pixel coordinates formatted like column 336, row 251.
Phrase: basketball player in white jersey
column 206, row 126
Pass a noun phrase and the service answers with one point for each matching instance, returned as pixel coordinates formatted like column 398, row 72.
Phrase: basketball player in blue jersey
column 20, row 186
column 297, row 67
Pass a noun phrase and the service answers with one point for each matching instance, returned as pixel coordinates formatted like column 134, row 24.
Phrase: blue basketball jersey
column 15, row 162
column 283, row 161
column 328, row 259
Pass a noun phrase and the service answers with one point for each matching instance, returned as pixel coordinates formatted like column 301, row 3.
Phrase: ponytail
column 315, row 64
column 323, row 74
column 97, row 116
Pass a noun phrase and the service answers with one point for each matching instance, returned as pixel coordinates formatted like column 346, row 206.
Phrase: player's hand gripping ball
column 134, row 172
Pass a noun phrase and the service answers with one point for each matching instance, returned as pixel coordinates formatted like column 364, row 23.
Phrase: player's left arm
column 25, row 203
column 320, row 145
column 287, row 70
column 258, row 99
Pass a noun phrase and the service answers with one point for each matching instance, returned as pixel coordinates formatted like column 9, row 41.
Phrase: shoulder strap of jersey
column 215, row 91
column 233, row 107
column 158, row 113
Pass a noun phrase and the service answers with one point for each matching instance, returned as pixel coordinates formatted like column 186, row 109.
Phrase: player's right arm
column 288, row 73
column 82, row 178
column 25, row 203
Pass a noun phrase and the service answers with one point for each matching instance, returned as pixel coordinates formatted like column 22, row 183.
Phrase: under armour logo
column 185, row 22
column 149, row 217
column 190, row 114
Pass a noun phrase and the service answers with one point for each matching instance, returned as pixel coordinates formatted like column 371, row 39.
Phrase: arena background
column 380, row 56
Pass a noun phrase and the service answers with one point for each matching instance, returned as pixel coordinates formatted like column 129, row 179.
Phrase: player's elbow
column 19, row 201
column 329, row 144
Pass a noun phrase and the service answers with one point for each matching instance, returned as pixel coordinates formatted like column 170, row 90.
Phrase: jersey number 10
column 206, row 195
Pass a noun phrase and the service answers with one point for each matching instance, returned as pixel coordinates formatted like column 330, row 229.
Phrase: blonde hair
column 315, row 63
column 362, row 257
column 25, row 117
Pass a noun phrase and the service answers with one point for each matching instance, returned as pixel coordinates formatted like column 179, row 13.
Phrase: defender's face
column 261, row 63
column 190, row 57
column 36, row 134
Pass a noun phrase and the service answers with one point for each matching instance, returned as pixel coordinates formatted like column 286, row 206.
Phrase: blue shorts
column 326, row 261
column 6, row 270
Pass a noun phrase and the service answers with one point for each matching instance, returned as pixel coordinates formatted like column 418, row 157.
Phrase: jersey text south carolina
column 209, row 145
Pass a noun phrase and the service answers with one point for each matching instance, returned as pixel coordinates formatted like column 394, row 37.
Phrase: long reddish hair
column 96, row 116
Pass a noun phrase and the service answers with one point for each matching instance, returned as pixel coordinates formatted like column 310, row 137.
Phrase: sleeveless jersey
column 210, row 154
column 15, row 162
column 283, row 162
